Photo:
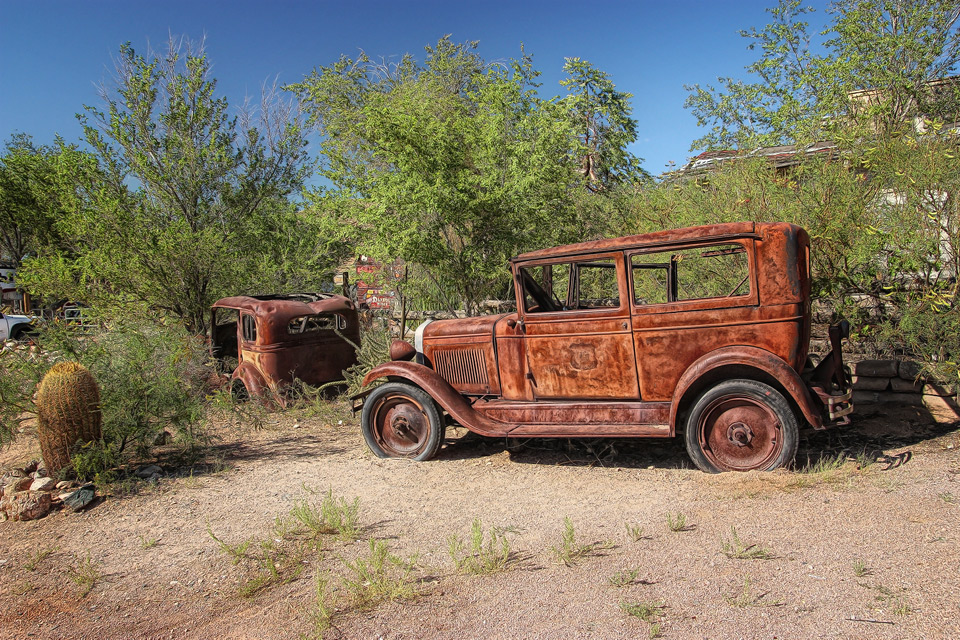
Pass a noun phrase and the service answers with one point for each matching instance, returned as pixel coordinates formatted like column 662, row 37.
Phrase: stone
column 64, row 484
column 877, row 368
column 43, row 484
column 32, row 466
column 906, row 399
column 148, row 471
column 80, row 498
column 21, row 484
column 899, row 385
column 865, row 397
column 866, row 383
column 27, row 505
column 909, row 370
column 935, row 389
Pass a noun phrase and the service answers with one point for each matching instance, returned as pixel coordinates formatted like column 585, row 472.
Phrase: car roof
column 286, row 306
column 690, row 235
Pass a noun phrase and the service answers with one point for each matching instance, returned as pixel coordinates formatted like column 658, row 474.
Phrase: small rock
column 868, row 383
column 80, row 498
column 877, row 368
column 934, row 389
column 43, row 484
column 41, row 473
column 909, row 370
column 64, row 484
column 25, row 505
column 32, row 466
column 22, row 484
column 146, row 472
column 899, row 385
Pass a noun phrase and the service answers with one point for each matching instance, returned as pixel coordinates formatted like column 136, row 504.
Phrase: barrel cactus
column 68, row 413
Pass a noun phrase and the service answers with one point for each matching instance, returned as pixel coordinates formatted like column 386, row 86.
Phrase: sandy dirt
column 853, row 552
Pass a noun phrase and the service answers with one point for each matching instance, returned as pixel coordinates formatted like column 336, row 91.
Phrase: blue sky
column 53, row 53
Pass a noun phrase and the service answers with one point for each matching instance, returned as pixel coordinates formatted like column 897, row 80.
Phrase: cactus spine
column 68, row 412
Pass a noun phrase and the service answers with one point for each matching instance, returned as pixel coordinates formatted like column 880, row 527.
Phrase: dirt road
column 850, row 551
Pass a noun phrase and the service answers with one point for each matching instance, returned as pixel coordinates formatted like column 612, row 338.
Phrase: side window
column 249, row 327
column 598, row 285
column 545, row 287
column 719, row 271
column 578, row 285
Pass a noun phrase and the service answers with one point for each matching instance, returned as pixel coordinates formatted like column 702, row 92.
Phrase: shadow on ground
column 875, row 430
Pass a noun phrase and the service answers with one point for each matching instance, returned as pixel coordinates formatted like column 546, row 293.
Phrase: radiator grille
column 462, row 367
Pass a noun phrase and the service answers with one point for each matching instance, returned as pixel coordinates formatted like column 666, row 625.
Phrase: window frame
column 616, row 257
column 751, row 298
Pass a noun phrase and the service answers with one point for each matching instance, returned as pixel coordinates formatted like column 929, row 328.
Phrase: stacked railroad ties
column 899, row 381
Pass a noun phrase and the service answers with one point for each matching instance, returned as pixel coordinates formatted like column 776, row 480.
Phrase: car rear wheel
column 741, row 425
column 401, row 421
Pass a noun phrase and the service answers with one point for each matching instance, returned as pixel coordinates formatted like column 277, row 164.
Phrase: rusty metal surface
column 738, row 433
column 618, row 363
column 276, row 357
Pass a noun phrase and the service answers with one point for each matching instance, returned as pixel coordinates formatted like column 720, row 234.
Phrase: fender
column 750, row 357
column 255, row 382
column 443, row 394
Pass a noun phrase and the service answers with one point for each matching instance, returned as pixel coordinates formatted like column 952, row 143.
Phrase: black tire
column 400, row 420
column 741, row 425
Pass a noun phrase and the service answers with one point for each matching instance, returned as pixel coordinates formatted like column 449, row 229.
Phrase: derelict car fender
column 442, row 393
column 251, row 378
column 742, row 358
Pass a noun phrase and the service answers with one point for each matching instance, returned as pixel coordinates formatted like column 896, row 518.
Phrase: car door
column 576, row 325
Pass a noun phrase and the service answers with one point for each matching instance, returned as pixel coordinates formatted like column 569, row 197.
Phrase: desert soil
column 856, row 552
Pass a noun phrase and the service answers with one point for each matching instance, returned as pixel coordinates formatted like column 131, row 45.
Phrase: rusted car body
column 702, row 330
column 265, row 343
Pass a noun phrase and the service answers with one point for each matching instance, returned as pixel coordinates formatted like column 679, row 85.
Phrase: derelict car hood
column 462, row 326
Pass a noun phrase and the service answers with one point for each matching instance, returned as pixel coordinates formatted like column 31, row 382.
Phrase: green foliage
column 646, row 611
column 604, row 128
column 151, row 377
column 189, row 205
column 39, row 187
column 570, row 552
column 332, row 516
column 487, row 554
column 747, row 597
column 85, row 573
column 678, row 522
column 624, row 578
column 21, row 369
column 735, row 548
column 635, row 532
column 455, row 164
column 379, row 577
column 884, row 224
column 885, row 49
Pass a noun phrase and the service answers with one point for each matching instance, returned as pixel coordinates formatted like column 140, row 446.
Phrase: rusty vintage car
column 264, row 343
column 703, row 331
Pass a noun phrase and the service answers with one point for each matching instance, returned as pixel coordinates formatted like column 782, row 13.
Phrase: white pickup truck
column 14, row 327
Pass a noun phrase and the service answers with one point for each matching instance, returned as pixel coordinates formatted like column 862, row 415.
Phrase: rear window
column 314, row 323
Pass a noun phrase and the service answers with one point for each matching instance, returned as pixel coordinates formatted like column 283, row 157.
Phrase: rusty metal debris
column 265, row 343
column 702, row 330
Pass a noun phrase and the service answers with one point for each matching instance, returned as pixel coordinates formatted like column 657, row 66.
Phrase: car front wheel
column 401, row 421
column 741, row 425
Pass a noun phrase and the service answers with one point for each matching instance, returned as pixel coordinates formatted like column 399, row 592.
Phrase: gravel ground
column 856, row 551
